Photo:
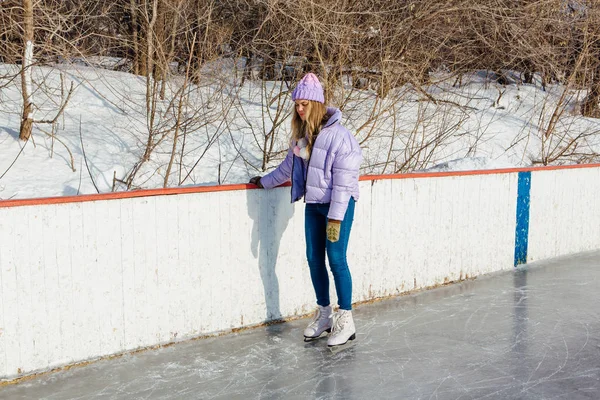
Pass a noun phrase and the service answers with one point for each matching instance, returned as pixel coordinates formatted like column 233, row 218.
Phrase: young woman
column 323, row 163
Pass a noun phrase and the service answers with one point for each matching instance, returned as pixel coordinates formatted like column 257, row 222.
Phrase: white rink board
column 565, row 212
column 80, row 281
column 419, row 232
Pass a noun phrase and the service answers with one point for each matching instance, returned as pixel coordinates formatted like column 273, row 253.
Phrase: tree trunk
column 150, row 54
column 172, row 35
column 137, row 61
column 160, row 32
column 150, row 80
column 27, row 120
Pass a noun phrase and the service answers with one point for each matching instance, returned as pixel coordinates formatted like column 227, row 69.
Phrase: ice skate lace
column 338, row 322
column 317, row 317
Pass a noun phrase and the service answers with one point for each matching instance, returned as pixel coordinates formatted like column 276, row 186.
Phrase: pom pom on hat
column 309, row 88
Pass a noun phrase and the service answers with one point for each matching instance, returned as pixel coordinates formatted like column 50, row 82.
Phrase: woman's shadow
column 270, row 211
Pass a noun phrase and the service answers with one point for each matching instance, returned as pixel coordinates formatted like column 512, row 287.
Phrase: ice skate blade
column 348, row 346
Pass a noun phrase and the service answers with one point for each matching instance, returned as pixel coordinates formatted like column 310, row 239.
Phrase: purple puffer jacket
column 331, row 173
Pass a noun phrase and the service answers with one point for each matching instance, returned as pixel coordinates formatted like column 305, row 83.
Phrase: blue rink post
column 522, row 230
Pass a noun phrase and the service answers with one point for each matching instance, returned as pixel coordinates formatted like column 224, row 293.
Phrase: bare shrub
column 382, row 62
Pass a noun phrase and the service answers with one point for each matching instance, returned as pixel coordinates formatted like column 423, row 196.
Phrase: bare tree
column 26, row 79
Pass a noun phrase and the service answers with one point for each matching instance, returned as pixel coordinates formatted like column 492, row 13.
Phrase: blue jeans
column 315, row 223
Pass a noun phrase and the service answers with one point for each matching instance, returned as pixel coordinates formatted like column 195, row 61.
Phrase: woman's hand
column 333, row 230
column 256, row 181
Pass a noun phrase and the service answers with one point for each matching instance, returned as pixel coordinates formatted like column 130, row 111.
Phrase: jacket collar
column 334, row 114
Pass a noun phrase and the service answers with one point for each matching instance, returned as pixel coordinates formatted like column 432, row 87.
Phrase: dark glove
column 333, row 230
column 256, row 181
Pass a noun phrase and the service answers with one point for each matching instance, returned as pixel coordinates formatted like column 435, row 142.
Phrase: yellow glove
column 333, row 230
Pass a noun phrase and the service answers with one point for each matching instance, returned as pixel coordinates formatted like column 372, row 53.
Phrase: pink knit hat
column 309, row 88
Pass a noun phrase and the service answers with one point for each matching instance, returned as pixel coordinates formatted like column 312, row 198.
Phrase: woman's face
column 302, row 108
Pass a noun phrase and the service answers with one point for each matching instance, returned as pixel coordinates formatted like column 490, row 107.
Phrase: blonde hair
column 310, row 128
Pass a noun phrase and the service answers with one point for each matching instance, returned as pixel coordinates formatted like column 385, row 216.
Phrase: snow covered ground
column 224, row 125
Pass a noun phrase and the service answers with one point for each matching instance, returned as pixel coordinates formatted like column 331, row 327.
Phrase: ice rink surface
column 531, row 333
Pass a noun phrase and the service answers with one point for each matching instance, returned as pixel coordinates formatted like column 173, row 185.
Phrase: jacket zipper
column 306, row 180
column 292, row 180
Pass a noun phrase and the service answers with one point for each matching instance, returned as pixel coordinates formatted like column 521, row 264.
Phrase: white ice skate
column 320, row 323
column 342, row 329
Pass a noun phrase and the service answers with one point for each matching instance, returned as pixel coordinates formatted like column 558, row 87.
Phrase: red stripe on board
column 125, row 195
column 246, row 186
column 473, row 172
